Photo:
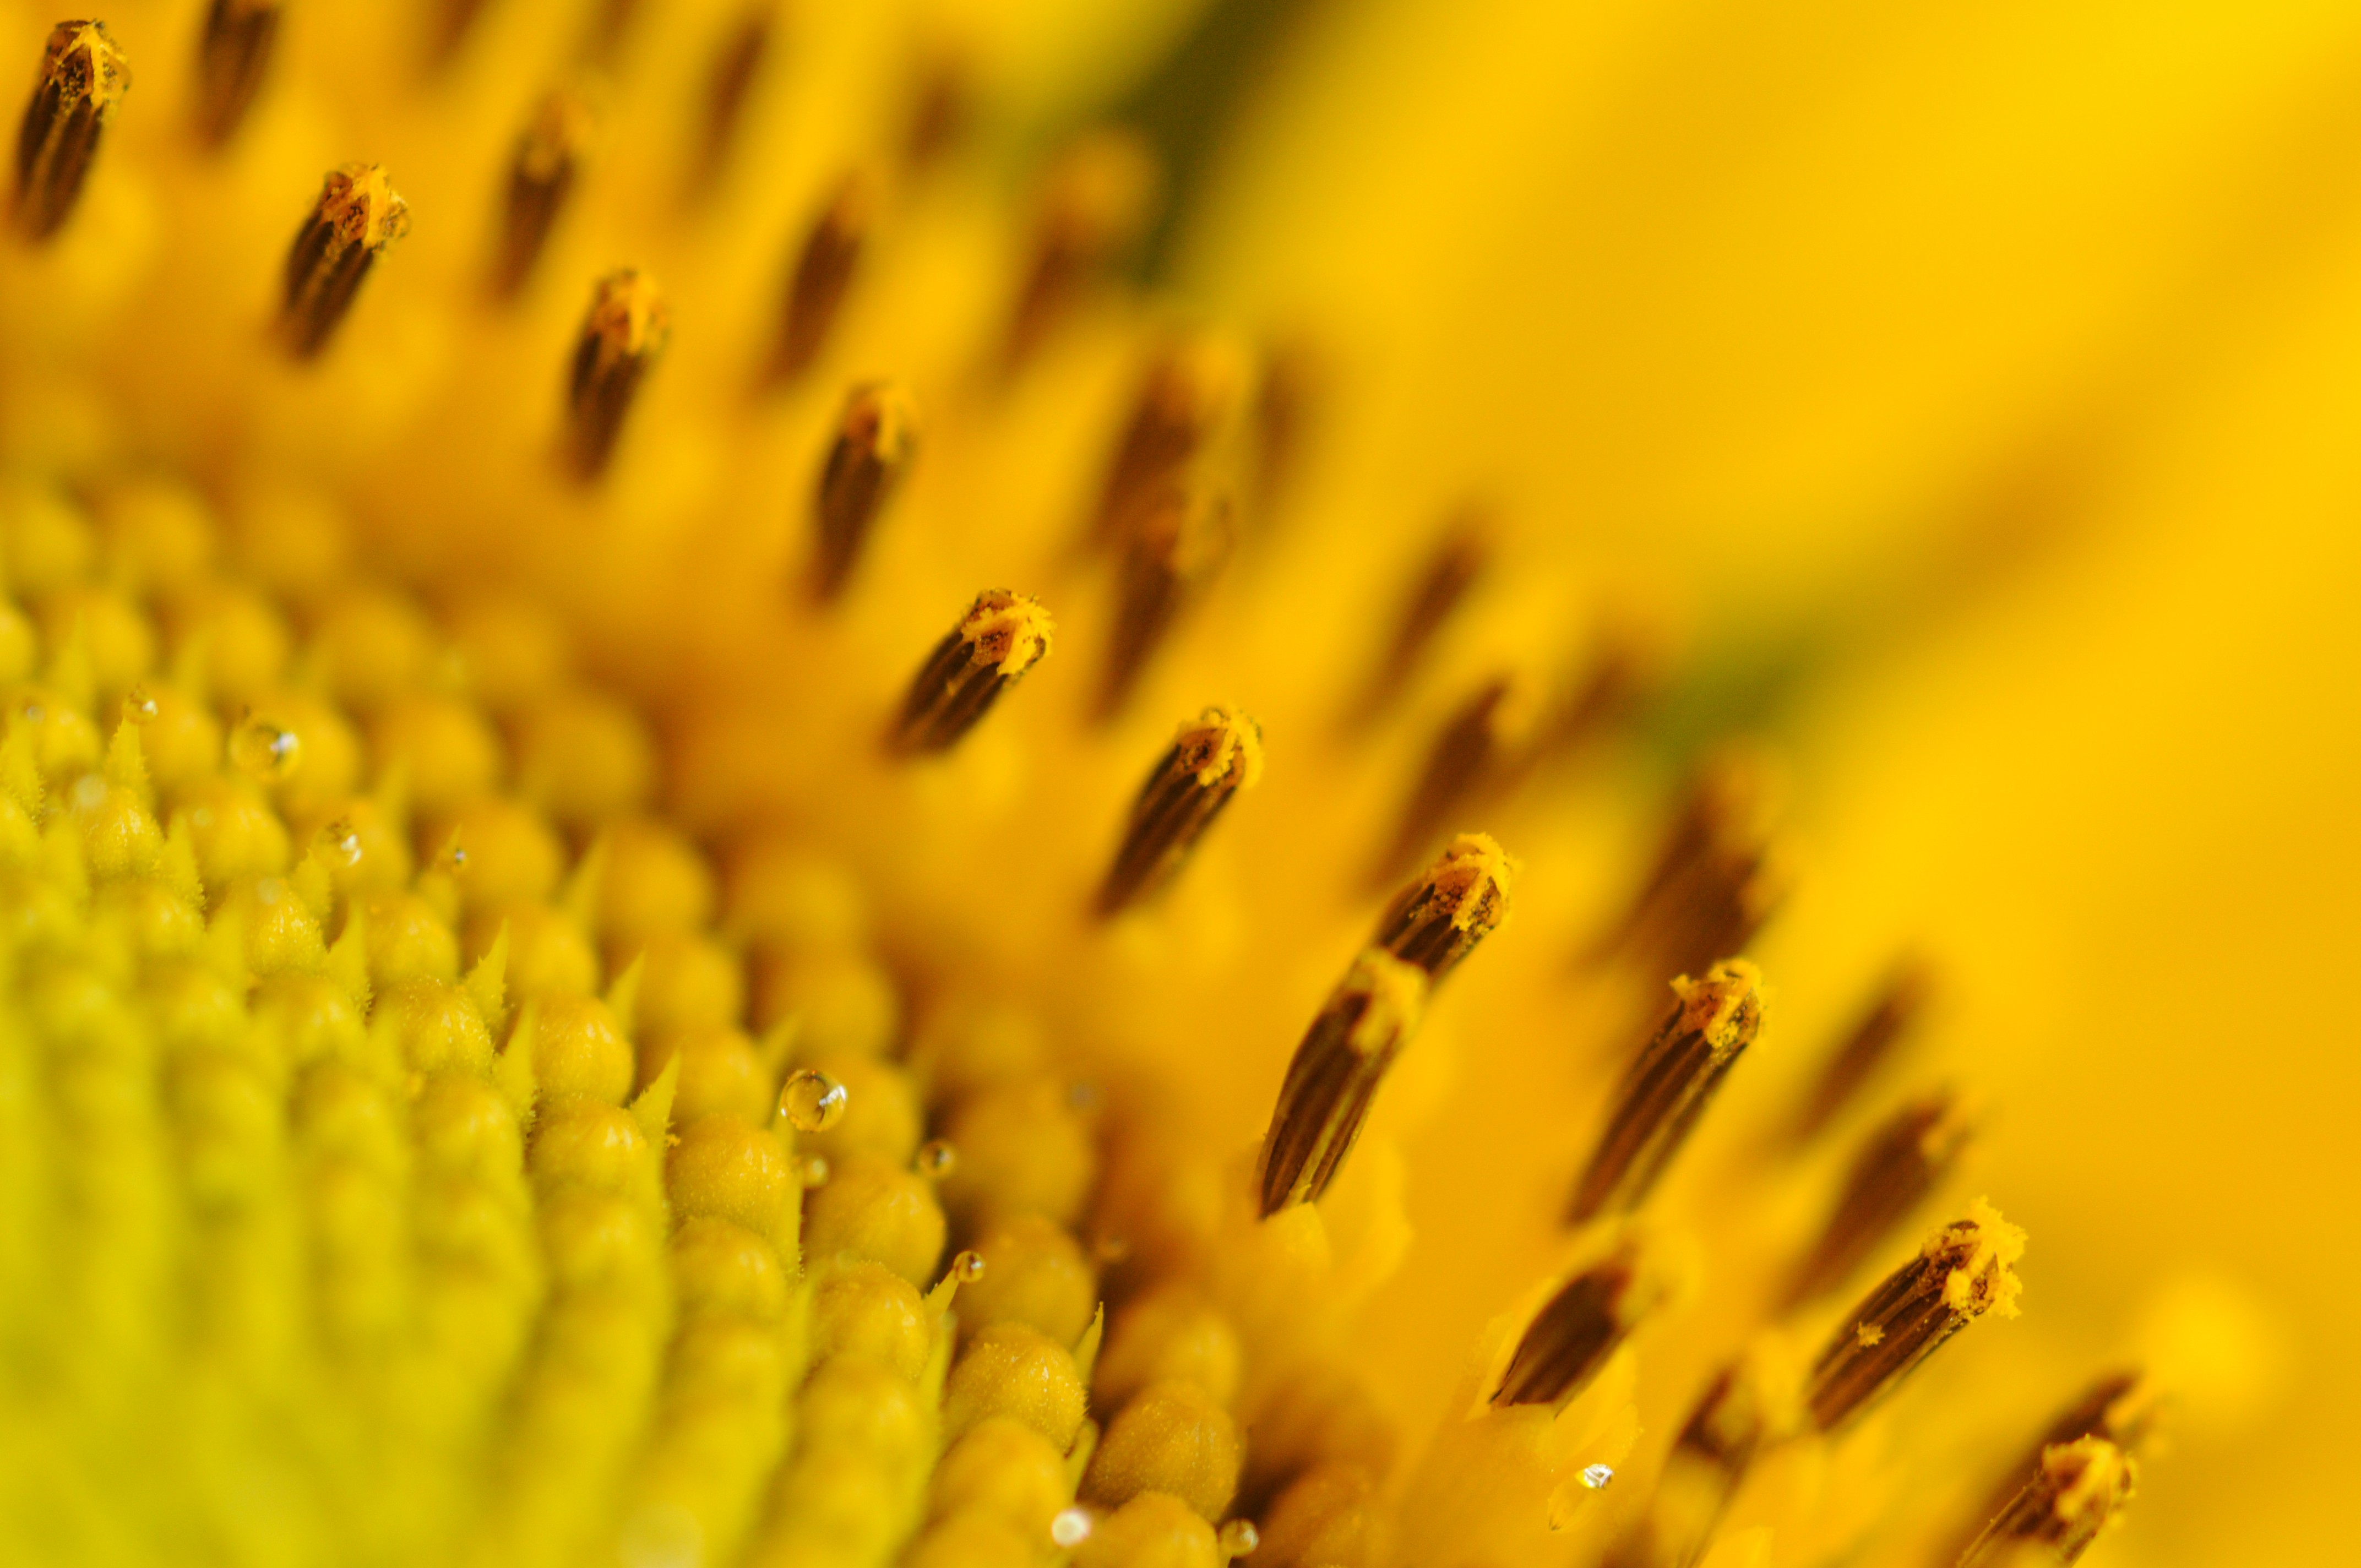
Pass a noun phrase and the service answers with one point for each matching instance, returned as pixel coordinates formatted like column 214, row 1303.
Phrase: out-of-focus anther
column 1333, row 1078
column 1892, row 1012
column 625, row 333
column 876, row 441
column 608, row 22
column 1751, row 1403
column 2079, row 1488
column 823, row 274
column 1715, row 882
column 356, row 219
column 1094, row 201
column 83, row 79
column 1479, row 753
column 1578, row 1328
column 942, row 93
column 1181, row 538
column 1001, row 637
column 726, row 86
column 1962, row 1272
column 1899, row 1166
column 1668, row 1087
column 1214, row 756
column 453, row 20
column 233, row 56
column 1188, row 391
column 541, row 175
column 1440, row 587
column 1458, row 901
column 1289, row 398
column 2126, row 1407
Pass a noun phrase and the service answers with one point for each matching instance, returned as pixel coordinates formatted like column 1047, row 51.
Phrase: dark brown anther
column 608, row 22
column 82, row 79
column 1751, row 1405
column 357, row 220
column 1964, row 1271
column 626, row 329
column 1886, row 1026
column 823, row 274
column 233, row 56
column 2078, row 1489
column 1481, row 750
column 1669, row 1086
column 1619, row 668
column 1215, row 755
column 2125, row 1408
column 1578, row 1329
column 1899, row 1168
column 1001, row 637
column 1713, row 885
column 453, row 20
column 1289, row 398
column 942, row 94
column 1188, row 391
column 1440, row 588
column 1333, row 1078
column 1182, row 538
column 876, row 441
column 1095, row 202
column 541, row 175
column 1461, row 899
column 726, row 86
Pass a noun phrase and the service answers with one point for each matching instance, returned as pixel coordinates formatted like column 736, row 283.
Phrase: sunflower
column 1161, row 784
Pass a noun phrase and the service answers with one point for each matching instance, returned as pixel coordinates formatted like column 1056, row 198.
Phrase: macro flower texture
column 1331, row 784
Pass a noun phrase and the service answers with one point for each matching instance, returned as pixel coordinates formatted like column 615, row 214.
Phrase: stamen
column 548, row 161
column 1667, row 1088
column 823, row 274
column 627, row 328
column 1461, row 898
column 1188, row 391
column 1207, row 764
column 1572, row 1336
column 2078, row 1489
column 1458, row 563
column 1479, row 749
column 231, row 60
column 1287, row 406
column 357, row 220
column 1893, row 1014
column 942, row 101
column 726, row 87
column 1093, row 203
column 1183, row 538
column 2125, row 1408
column 608, row 24
column 1001, row 637
column 83, row 79
column 1898, row 1167
column 1963, row 1272
column 1751, row 1403
column 451, row 30
column 876, row 441
column 1713, row 885
column 1333, row 1078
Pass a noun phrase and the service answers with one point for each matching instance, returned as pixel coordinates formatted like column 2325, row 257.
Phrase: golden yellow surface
column 1956, row 407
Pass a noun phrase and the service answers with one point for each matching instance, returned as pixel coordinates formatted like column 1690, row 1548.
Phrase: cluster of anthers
column 413, row 1149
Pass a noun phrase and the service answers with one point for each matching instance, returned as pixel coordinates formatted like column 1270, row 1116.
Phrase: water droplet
column 968, row 1266
column 338, row 844
column 814, row 1170
column 1070, row 1528
column 1596, row 1477
column 935, row 1159
column 1239, row 1537
column 265, row 750
column 812, row 1102
column 138, row 707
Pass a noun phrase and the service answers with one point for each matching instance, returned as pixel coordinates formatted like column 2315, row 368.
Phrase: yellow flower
column 709, row 854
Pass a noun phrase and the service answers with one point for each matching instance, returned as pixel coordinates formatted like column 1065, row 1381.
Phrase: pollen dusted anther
column 1963, row 1272
column 1899, row 1166
column 357, row 220
column 1001, row 637
column 82, row 79
column 2126, row 1408
column 625, row 332
column 1461, row 898
column 2076, row 1491
column 1214, row 756
column 1668, row 1087
column 1333, row 1077
column 876, row 441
